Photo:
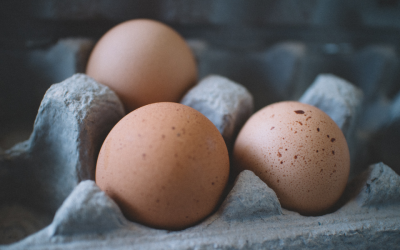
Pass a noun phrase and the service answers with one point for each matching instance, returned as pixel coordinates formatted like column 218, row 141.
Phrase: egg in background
column 143, row 61
column 299, row 152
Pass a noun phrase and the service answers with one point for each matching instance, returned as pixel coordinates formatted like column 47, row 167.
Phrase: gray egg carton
column 52, row 202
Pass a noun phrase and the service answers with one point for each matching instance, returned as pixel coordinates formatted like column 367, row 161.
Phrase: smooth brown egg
column 165, row 164
column 143, row 61
column 299, row 152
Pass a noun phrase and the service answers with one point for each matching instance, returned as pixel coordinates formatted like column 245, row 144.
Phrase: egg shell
column 165, row 164
column 298, row 151
column 143, row 61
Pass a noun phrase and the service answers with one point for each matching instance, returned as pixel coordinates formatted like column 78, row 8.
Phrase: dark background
column 275, row 48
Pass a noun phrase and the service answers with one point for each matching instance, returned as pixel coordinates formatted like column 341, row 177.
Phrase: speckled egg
column 165, row 164
column 299, row 152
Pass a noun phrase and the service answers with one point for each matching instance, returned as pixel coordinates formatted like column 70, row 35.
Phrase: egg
column 165, row 164
column 299, row 152
column 143, row 61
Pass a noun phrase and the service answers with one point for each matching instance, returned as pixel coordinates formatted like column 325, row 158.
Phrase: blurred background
column 275, row 48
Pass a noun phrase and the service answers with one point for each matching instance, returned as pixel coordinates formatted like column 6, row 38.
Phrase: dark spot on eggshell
column 318, row 129
column 327, row 136
column 295, row 156
column 300, row 123
column 333, row 139
column 308, row 118
column 299, row 112
column 272, row 128
column 144, row 156
column 333, row 152
column 173, row 128
column 279, row 154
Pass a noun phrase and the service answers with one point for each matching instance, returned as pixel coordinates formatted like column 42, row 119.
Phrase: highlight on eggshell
column 165, row 164
column 299, row 152
column 144, row 61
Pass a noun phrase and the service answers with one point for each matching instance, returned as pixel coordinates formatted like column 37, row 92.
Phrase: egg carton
column 52, row 202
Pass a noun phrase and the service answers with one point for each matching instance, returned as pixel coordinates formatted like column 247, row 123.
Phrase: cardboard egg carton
column 52, row 201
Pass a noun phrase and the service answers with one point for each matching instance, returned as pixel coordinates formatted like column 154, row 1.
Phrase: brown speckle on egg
column 299, row 112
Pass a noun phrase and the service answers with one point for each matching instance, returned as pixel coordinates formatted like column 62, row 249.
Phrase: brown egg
column 165, row 164
column 143, row 61
column 299, row 152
